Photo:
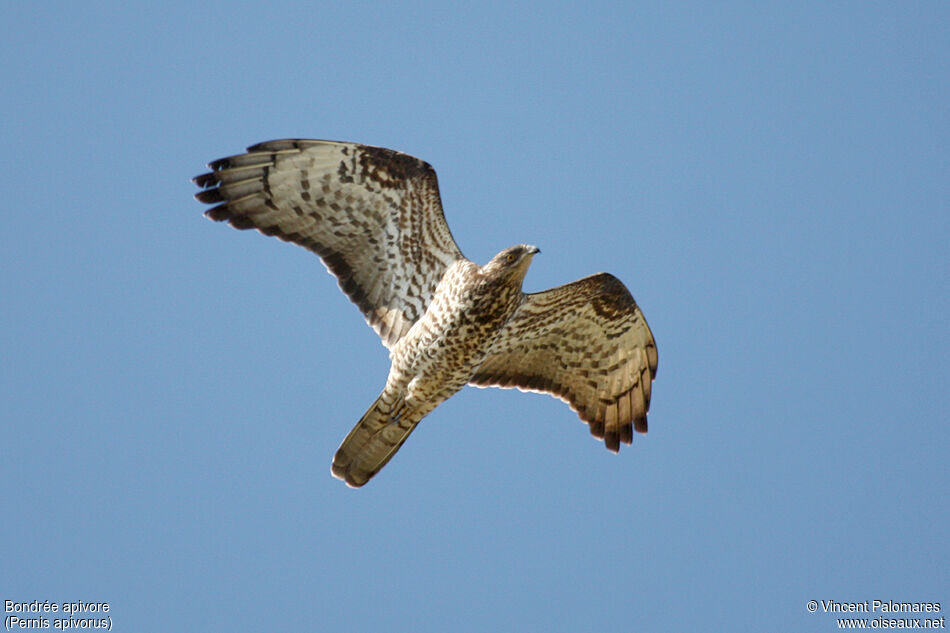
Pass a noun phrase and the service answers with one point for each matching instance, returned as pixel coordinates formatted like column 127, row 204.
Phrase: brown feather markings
column 374, row 217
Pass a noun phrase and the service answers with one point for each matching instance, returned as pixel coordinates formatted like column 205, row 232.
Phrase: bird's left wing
column 374, row 216
column 587, row 343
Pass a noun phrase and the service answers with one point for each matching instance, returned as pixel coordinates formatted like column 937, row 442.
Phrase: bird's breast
column 450, row 340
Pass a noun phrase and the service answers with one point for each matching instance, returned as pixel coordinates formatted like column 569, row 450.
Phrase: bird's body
column 374, row 217
column 434, row 360
column 441, row 351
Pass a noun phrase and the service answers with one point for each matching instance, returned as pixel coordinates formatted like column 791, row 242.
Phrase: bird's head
column 511, row 263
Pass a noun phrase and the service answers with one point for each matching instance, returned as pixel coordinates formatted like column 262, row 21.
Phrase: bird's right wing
column 373, row 215
column 587, row 343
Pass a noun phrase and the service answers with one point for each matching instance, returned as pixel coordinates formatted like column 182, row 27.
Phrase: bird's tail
column 373, row 441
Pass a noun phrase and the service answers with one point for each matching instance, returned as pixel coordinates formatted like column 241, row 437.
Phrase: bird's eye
column 510, row 258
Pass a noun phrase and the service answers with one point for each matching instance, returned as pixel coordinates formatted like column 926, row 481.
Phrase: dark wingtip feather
column 209, row 196
column 244, row 223
column 626, row 434
column 219, row 214
column 597, row 428
column 205, row 180
column 221, row 163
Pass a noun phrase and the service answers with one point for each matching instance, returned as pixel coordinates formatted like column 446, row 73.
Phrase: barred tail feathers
column 373, row 441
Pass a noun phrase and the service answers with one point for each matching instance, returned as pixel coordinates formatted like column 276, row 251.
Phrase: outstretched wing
column 587, row 343
column 373, row 215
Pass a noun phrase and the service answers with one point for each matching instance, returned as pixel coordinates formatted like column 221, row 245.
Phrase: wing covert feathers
column 373, row 215
column 587, row 343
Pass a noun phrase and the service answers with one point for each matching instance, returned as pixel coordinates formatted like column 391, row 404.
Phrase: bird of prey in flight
column 375, row 218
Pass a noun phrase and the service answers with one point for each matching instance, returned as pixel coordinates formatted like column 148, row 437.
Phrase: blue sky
column 769, row 179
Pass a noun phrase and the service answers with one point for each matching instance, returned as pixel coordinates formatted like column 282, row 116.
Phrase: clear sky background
column 771, row 180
